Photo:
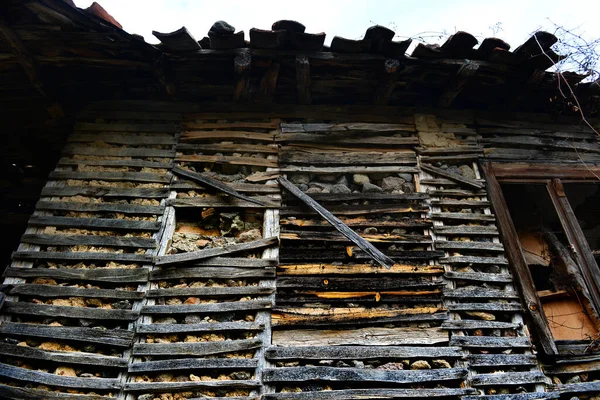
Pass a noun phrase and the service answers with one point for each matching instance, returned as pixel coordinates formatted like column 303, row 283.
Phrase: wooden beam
column 451, row 175
column 28, row 64
column 241, row 66
column 367, row 247
column 458, row 82
column 303, row 79
column 206, row 180
column 514, row 253
column 268, row 83
column 392, row 69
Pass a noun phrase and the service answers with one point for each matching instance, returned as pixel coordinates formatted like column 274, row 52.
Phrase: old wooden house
column 259, row 216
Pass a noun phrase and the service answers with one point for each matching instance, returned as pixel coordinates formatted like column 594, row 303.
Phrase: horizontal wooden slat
column 468, row 292
column 229, row 147
column 490, row 342
column 130, row 139
column 471, row 246
column 112, row 337
column 110, row 176
column 197, row 135
column 45, row 378
column 223, row 202
column 189, row 385
column 358, row 269
column 95, row 223
column 99, row 207
column 194, row 349
column 21, row 393
column 104, row 191
column 350, row 169
column 192, row 363
column 369, row 336
column 212, row 291
column 467, row 324
column 357, row 209
column 231, row 160
column 517, row 396
column 125, row 162
column 478, row 277
column 81, row 256
column 10, row 350
column 68, row 312
column 351, row 394
column 66, row 291
column 205, row 327
column 90, row 240
column 501, row 360
column 495, row 306
column 130, row 127
column 116, row 275
column 334, row 236
column 117, row 151
column 463, row 216
column 295, row 157
column 353, row 284
column 212, row 272
column 208, row 308
column 303, row 374
column 509, row 378
column 466, row 230
column 476, row 260
column 359, row 352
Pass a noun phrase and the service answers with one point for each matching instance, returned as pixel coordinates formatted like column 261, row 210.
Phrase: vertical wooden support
column 241, row 66
column 268, row 83
column 516, row 259
column 303, row 79
column 392, row 69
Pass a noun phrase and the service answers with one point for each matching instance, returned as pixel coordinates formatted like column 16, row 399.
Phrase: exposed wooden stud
column 458, row 82
column 241, row 66
column 392, row 69
column 268, row 83
column 303, row 80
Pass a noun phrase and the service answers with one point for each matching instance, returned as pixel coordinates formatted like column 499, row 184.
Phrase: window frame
column 552, row 176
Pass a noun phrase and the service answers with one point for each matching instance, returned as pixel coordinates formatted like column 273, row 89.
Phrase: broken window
column 558, row 229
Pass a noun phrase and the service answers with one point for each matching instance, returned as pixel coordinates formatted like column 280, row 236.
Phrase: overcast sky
column 517, row 19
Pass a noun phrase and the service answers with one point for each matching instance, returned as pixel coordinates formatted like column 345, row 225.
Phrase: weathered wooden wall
column 138, row 279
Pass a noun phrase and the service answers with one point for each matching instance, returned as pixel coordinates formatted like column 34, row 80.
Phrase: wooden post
column 268, row 83
column 303, row 79
column 241, row 64
column 392, row 69
column 458, row 82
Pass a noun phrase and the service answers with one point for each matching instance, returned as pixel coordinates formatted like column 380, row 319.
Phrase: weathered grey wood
column 478, row 277
column 456, row 193
column 98, row 207
column 490, row 342
column 217, row 201
column 112, row 337
column 80, row 256
column 452, row 176
column 469, row 324
column 291, row 157
column 349, row 169
column 509, row 378
column 45, row 378
column 368, row 196
column 496, row 306
column 116, row 275
column 229, row 147
column 68, row 312
column 484, row 246
column 517, row 396
column 466, row 230
column 374, row 393
column 194, row 349
column 534, row 142
column 208, row 308
column 236, row 262
column 104, row 191
column 303, row 79
column 284, row 317
column 460, row 203
column 212, row 291
column 476, row 260
column 359, row 352
column 367, row 247
column 408, row 126
column 213, row 252
column 131, row 139
column 192, row 363
column 189, row 385
column 463, row 216
column 10, row 350
column 90, row 240
column 480, row 293
column 583, row 387
column 208, row 327
column 212, row 272
column 21, row 393
column 94, row 223
column 369, row 336
column 240, row 187
column 117, row 152
column 501, row 360
column 304, row 374
column 216, row 184
column 128, row 127
column 358, row 210
column 136, row 163
column 110, row 176
column 343, row 283
column 66, row 291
